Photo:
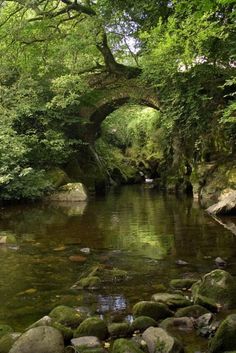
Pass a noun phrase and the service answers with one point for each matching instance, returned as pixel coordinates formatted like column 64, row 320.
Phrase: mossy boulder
column 225, row 338
column 119, row 329
column 158, row 340
column 67, row 316
column 174, row 300
column 182, row 283
column 92, row 326
column 194, row 311
column 4, row 329
column 66, row 331
column 156, row 311
column 73, row 192
column 215, row 289
column 141, row 323
column 7, row 341
column 123, row 345
column 217, row 179
column 171, row 324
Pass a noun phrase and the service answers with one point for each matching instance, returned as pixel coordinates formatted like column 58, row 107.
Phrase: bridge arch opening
column 129, row 144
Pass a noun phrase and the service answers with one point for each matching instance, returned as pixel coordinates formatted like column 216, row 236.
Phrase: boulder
column 178, row 323
column 119, row 329
column 159, row 340
column 215, row 289
column 67, row 316
column 225, row 338
column 92, row 326
column 172, row 300
column 194, row 311
column 42, row 339
column 225, row 205
column 141, row 323
column 66, row 331
column 156, row 311
column 72, row 192
column 182, row 283
column 123, row 345
column 86, row 342
column 7, row 341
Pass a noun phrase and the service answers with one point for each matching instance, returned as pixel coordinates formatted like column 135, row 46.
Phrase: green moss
column 119, row 329
column 154, row 310
column 141, row 323
column 4, row 329
column 91, row 282
column 125, row 346
column 191, row 311
column 92, row 326
column 7, row 341
column 182, row 283
column 67, row 316
column 225, row 338
column 67, row 332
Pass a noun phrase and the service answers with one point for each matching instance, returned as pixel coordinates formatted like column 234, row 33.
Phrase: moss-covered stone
column 194, row 311
column 4, row 329
column 172, row 324
column 67, row 316
column 73, row 192
column 225, row 338
column 90, row 282
column 92, row 326
column 174, row 300
column 156, row 311
column 7, row 341
column 119, row 329
column 217, row 288
column 141, row 323
column 67, row 332
column 123, row 345
column 182, row 283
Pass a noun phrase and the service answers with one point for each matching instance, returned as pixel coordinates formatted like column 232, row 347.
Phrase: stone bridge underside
column 110, row 94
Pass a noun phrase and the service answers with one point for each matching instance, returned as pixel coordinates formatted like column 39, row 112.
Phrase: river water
column 133, row 228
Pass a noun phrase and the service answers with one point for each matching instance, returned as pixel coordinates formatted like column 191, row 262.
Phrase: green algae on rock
column 156, row 311
column 225, row 338
column 92, row 326
column 141, row 323
column 123, row 345
column 67, row 316
column 215, row 289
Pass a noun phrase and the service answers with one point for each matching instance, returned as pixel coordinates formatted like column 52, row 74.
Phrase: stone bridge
column 108, row 94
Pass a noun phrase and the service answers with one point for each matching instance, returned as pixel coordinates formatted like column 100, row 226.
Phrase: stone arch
column 102, row 101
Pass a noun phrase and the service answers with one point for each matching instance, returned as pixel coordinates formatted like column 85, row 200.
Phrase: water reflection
column 133, row 229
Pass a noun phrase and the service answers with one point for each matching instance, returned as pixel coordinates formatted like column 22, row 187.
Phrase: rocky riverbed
column 202, row 309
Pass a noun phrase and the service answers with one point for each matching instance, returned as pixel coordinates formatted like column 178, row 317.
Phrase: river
column 133, row 228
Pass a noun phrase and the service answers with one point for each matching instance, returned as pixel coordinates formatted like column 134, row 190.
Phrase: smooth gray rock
column 159, row 340
column 226, row 204
column 86, row 342
column 42, row 339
